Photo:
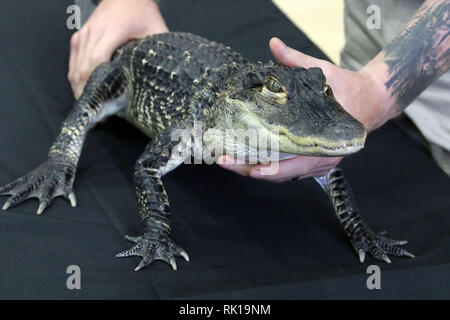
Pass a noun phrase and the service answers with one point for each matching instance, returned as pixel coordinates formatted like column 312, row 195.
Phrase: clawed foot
column 367, row 241
column 151, row 250
column 52, row 179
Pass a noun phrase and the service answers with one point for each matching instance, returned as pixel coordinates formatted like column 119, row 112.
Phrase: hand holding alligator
column 112, row 24
column 365, row 101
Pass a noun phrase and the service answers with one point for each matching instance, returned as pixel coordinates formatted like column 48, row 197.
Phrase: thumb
column 293, row 58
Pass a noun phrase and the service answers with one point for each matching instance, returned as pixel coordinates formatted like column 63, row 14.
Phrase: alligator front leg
column 363, row 239
column 102, row 96
column 160, row 157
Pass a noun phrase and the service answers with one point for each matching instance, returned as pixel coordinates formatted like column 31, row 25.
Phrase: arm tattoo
column 420, row 53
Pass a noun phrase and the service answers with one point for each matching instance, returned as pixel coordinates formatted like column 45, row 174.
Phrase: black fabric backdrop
column 246, row 238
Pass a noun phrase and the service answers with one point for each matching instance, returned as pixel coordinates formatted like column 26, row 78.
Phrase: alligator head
column 295, row 105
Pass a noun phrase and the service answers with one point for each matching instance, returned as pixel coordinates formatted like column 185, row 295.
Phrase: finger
column 293, row 58
column 315, row 173
column 300, row 167
column 82, row 44
column 322, row 167
column 75, row 66
column 88, row 40
column 74, row 47
column 287, row 169
column 231, row 164
column 86, row 55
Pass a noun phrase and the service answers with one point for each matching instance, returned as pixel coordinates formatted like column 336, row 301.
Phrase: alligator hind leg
column 160, row 157
column 363, row 239
column 103, row 96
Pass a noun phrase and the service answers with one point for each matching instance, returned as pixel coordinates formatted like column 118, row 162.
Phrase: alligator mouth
column 318, row 146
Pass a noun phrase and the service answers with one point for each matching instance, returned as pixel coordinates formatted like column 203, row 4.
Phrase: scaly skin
column 362, row 238
column 168, row 82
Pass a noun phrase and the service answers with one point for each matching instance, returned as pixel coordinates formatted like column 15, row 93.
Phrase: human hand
column 358, row 92
column 112, row 24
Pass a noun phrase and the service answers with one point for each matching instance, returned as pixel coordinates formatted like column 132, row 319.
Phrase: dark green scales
column 168, row 82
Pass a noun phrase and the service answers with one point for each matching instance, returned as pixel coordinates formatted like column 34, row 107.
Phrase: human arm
column 378, row 92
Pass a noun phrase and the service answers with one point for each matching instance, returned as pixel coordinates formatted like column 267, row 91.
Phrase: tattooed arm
column 378, row 92
column 418, row 55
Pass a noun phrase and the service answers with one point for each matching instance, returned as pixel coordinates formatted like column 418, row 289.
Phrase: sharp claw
column 6, row 205
column 151, row 250
column 72, row 199
column 386, row 259
column 407, row 254
column 184, row 255
column 140, row 266
column 362, row 255
column 42, row 207
column 173, row 264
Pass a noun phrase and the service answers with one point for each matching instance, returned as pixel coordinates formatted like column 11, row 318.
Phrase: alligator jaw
column 318, row 147
column 306, row 145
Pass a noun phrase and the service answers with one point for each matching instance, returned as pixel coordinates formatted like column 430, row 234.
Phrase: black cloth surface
column 246, row 238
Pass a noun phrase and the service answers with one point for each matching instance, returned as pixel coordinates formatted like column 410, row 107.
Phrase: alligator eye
column 274, row 90
column 274, row 85
column 327, row 90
